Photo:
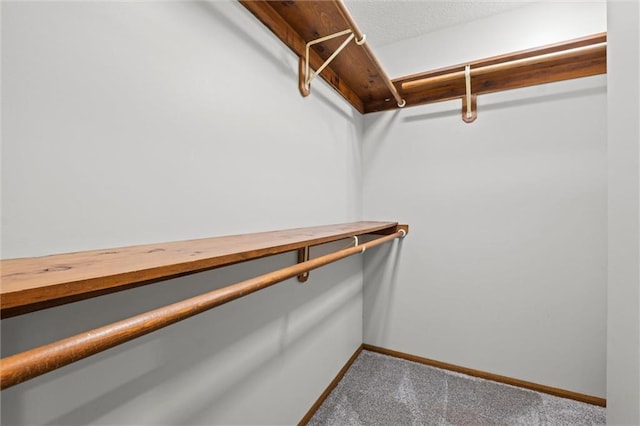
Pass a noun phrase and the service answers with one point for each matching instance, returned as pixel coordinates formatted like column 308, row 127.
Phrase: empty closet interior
column 208, row 207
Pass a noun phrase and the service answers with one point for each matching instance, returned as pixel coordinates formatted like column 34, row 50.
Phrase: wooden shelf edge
column 30, row 284
column 529, row 67
column 295, row 25
column 590, row 40
column 265, row 13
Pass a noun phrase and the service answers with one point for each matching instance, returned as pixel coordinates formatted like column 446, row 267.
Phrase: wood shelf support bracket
column 303, row 256
column 304, row 72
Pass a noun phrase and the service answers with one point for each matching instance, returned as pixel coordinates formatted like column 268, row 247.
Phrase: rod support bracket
column 303, row 256
column 305, row 75
column 404, row 229
column 466, row 116
column 469, row 102
column 305, row 89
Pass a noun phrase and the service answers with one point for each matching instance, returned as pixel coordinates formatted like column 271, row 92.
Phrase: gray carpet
column 382, row 390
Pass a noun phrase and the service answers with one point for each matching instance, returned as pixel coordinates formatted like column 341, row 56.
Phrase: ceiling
column 388, row 21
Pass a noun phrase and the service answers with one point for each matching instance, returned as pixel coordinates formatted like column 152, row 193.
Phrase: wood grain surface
column 35, row 283
column 358, row 76
column 34, row 362
column 355, row 73
column 582, row 57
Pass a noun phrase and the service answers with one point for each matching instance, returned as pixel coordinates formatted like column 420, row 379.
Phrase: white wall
column 505, row 267
column 623, row 319
column 138, row 122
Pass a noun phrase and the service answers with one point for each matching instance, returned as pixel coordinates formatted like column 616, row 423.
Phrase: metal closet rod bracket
column 305, row 76
column 303, row 256
column 470, row 101
column 303, row 252
column 304, row 71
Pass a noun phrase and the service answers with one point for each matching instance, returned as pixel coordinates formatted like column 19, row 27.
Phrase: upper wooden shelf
column 30, row 284
column 352, row 73
column 360, row 79
column 566, row 60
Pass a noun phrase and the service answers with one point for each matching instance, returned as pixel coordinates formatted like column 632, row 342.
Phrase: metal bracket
column 303, row 256
column 304, row 76
column 474, row 109
column 469, row 102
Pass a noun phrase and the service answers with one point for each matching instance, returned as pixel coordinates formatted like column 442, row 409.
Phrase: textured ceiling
column 387, row 21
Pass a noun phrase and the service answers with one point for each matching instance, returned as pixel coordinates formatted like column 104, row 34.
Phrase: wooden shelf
column 360, row 79
column 30, row 284
column 581, row 57
column 352, row 73
column 29, row 364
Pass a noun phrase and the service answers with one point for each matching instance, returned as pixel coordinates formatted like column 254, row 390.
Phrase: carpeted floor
column 382, row 390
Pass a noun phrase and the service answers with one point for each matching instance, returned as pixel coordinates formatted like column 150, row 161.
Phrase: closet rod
column 360, row 37
column 35, row 362
column 546, row 60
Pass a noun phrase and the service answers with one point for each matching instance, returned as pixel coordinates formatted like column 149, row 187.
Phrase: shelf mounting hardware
column 469, row 102
column 303, row 256
column 305, row 75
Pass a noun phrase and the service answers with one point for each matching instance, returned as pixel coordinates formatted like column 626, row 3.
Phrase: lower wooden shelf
column 30, row 284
